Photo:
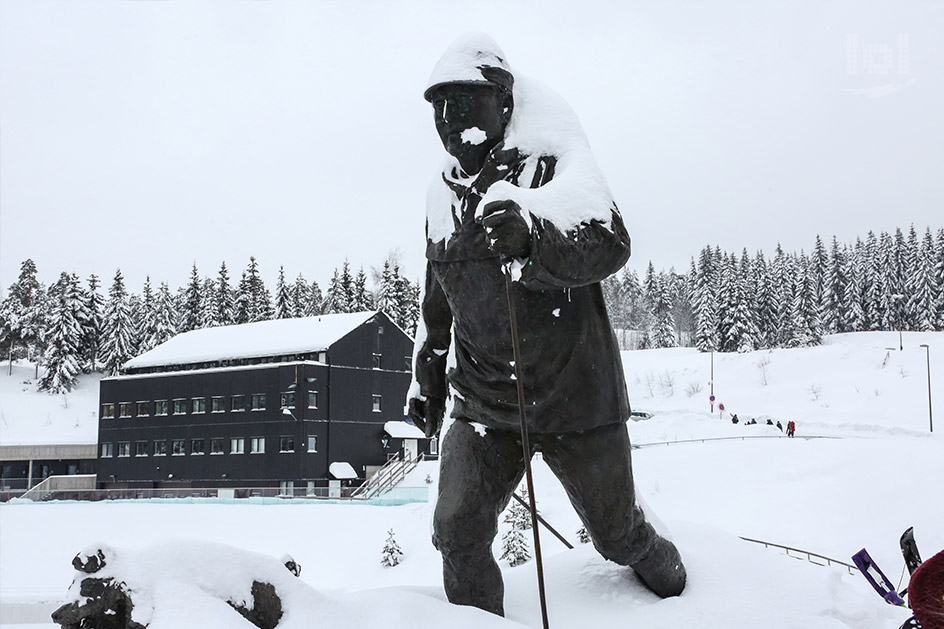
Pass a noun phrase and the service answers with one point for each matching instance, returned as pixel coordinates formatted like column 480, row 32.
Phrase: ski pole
column 525, row 445
column 546, row 524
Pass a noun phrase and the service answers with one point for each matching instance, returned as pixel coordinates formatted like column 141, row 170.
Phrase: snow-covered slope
column 877, row 474
column 28, row 416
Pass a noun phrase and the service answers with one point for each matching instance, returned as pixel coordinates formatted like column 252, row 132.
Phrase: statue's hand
column 506, row 231
column 427, row 415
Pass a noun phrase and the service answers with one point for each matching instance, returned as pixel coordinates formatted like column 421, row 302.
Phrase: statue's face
column 470, row 120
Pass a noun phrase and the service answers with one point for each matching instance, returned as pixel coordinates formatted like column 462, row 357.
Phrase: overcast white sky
column 149, row 135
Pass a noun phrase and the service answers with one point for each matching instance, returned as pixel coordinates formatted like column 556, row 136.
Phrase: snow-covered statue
column 520, row 190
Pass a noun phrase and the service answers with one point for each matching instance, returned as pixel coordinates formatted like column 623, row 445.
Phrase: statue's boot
column 662, row 570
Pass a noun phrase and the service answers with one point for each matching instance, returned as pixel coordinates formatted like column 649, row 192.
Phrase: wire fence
column 799, row 553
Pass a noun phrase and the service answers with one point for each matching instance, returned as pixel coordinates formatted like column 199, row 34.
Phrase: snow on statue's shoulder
column 544, row 124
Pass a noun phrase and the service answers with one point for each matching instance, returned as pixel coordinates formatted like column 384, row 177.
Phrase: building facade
column 216, row 410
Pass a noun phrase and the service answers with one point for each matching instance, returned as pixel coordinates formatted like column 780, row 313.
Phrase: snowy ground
column 863, row 487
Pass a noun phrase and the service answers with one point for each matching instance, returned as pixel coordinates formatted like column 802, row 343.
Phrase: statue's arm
column 587, row 254
column 433, row 339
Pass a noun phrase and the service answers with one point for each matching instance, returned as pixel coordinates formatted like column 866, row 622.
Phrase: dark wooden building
column 273, row 403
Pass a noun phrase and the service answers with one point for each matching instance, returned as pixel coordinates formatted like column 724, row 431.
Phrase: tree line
column 737, row 303
column 70, row 328
column 726, row 302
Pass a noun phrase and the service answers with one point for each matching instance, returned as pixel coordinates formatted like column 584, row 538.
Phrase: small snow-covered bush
column 515, row 548
column 583, row 535
column 391, row 551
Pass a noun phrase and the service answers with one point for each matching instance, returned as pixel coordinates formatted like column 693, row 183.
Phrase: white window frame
column 108, row 411
column 257, row 445
column 108, row 450
column 237, row 441
column 376, row 402
column 193, row 405
column 125, row 405
column 312, row 439
column 281, row 442
column 127, row 448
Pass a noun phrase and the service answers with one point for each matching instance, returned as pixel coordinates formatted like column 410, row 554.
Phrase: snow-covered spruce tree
column 391, row 551
column 871, row 285
column 921, row 288
column 300, row 293
column 704, row 303
column 315, row 301
column 834, row 291
column 222, row 306
column 739, row 330
column 191, row 306
column 252, row 291
column 583, row 536
column 387, row 295
column 344, row 295
column 207, row 291
column 61, row 359
column 939, row 281
column 146, row 318
column 22, row 316
column 766, row 304
column 117, row 329
column 819, row 263
column 363, row 299
column 283, row 299
column 92, row 330
column 515, row 548
column 333, row 297
column 663, row 329
column 165, row 326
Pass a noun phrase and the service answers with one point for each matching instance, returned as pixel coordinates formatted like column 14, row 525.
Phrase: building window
column 258, row 401
column 199, row 405
column 160, row 407
column 218, row 404
column 216, row 446
column 177, row 447
column 286, row 444
column 180, row 407
column 380, row 329
column 238, row 403
column 287, row 487
column 144, row 409
column 287, row 400
column 196, row 446
column 124, row 409
column 124, row 448
column 312, row 399
column 376, row 361
column 140, row 448
column 108, row 450
column 257, row 445
column 408, row 362
column 375, row 400
column 108, row 411
column 322, row 357
column 160, row 447
column 237, row 445
column 312, row 443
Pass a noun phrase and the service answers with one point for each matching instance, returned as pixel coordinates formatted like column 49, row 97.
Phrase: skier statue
column 520, row 192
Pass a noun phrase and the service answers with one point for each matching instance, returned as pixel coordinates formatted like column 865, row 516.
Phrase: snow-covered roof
column 252, row 340
column 403, row 430
column 342, row 470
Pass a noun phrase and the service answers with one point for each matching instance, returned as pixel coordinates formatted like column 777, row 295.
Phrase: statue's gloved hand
column 427, row 414
column 506, row 231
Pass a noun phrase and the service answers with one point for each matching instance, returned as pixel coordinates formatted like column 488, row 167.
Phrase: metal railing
column 387, row 477
column 804, row 554
column 636, row 446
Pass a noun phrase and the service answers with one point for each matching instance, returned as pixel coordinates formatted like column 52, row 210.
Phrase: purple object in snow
column 877, row 578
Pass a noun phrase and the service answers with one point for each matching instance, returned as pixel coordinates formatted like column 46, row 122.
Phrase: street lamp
column 927, row 353
column 897, row 298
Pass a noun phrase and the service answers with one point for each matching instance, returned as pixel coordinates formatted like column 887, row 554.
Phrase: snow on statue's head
column 471, row 90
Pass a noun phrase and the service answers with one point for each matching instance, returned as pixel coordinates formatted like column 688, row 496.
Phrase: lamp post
column 897, row 298
column 927, row 353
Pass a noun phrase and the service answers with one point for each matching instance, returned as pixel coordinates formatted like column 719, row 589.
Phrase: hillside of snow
column 28, row 416
column 874, row 474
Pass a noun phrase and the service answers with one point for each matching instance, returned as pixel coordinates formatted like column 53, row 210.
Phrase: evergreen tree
column 146, row 322
column 854, row 314
column 363, row 300
column 387, row 297
column 283, row 299
column 117, row 330
column 165, row 326
column 583, row 536
column 344, row 299
column 207, row 292
column 939, row 281
column 871, row 284
column 737, row 327
column 922, row 289
column 834, row 291
column 705, row 302
column 243, row 302
column 515, row 548
column 315, row 301
column 300, row 297
column 222, row 303
column 191, row 311
column 92, row 330
column 22, row 320
column 391, row 551
column 61, row 359
column 663, row 331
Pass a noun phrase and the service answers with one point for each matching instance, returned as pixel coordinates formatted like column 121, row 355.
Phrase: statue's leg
column 476, row 479
column 595, row 468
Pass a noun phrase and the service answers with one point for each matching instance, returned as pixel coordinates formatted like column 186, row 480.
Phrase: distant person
column 752, row 422
column 770, row 422
column 791, row 428
column 779, row 426
column 734, row 418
